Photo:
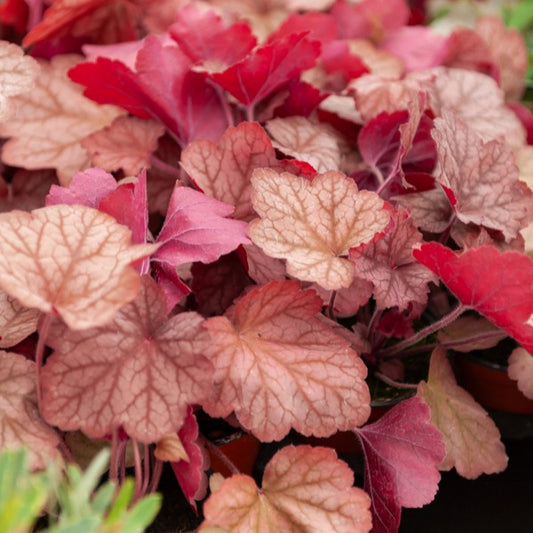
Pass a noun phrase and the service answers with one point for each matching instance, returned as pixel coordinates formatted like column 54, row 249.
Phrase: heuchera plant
column 260, row 211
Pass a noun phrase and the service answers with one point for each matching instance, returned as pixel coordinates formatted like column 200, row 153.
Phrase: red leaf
column 196, row 229
column 203, row 36
column 191, row 474
column 268, row 68
column 162, row 87
column 304, row 489
column 402, row 451
column 102, row 20
column 279, row 366
column 140, row 371
column 498, row 285
column 380, row 143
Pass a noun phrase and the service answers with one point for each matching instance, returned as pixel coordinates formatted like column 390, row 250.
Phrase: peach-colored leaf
column 479, row 102
column 223, row 170
column 17, row 75
column 277, row 365
column 483, row 178
column 127, row 143
column 389, row 264
column 69, row 260
column 51, row 121
column 314, row 143
column 472, row 440
column 16, row 321
column 304, row 489
column 138, row 372
column 313, row 224
column 521, row 370
column 20, row 421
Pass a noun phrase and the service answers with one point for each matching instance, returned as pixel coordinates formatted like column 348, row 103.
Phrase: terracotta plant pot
column 490, row 385
column 241, row 449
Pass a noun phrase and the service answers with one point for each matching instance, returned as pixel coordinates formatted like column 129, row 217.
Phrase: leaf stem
column 393, row 382
column 331, row 305
column 138, row 470
column 164, row 167
column 44, row 327
column 157, row 470
column 146, row 465
column 114, row 460
column 395, row 349
column 250, row 113
column 215, row 450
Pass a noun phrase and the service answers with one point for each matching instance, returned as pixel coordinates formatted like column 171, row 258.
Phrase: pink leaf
column 223, row 171
column 521, row 370
column 388, row 263
column 498, row 285
column 279, row 366
column 204, row 37
column 86, row 188
column 196, row 229
column 69, row 260
column 304, row 489
column 313, row 224
column 126, row 144
column 483, row 177
column 191, row 474
column 472, row 440
column 402, row 451
column 138, row 372
column 268, row 68
column 20, row 420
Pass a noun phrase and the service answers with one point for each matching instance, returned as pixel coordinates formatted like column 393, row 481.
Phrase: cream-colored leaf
column 51, row 120
column 16, row 321
column 127, row 143
column 472, row 440
column 521, row 370
column 299, row 137
column 170, row 448
column 313, row 224
column 17, row 75
column 69, row 260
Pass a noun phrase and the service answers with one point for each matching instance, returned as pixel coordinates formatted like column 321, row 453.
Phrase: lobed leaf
column 20, row 420
column 498, row 285
column 521, row 370
column 304, row 489
column 277, row 365
column 472, row 440
column 402, row 451
column 138, row 372
column 314, row 224
column 69, row 260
